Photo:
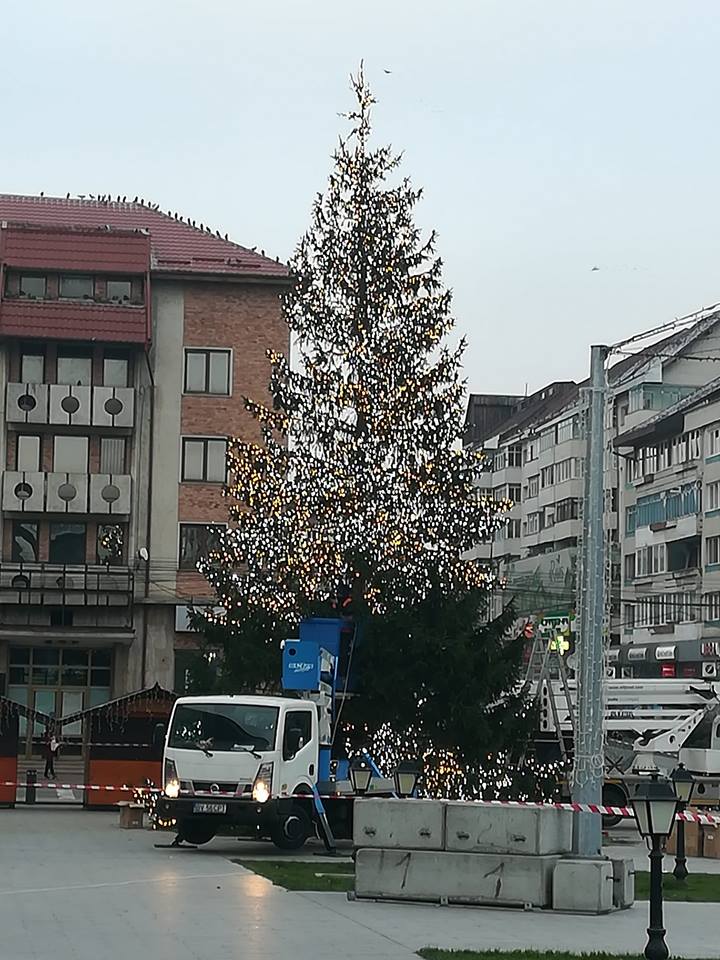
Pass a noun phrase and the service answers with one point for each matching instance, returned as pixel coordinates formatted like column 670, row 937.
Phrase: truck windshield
column 223, row 726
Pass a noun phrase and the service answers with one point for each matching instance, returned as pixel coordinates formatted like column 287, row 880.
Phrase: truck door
column 299, row 750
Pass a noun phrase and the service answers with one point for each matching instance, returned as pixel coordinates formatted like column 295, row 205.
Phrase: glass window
column 534, row 485
column 75, row 658
column 112, row 455
column 74, row 370
column 119, row 290
column 515, row 456
column 32, row 286
column 101, row 658
column 24, row 542
column 115, row 371
column 28, row 453
column 712, row 550
column 70, row 454
column 197, row 540
column 297, row 732
column 32, row 368
column 67, row 543
column 207, row 371
column 227, row 726
column 100, row 678
column 203, row 459
column 77, row 288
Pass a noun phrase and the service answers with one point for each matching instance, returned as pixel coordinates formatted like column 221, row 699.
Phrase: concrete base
column 399, row 824
column 439, row 877
column 623, row 883
column 583, row 886
column 528, row 831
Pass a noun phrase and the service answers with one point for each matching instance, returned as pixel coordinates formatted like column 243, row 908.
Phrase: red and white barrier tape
column 690, row 816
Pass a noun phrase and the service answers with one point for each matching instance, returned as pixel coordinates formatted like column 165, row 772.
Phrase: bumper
column 238, row 813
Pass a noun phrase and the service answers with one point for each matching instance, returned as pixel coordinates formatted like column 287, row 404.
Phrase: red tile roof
column 177, row 246
column 75, row 248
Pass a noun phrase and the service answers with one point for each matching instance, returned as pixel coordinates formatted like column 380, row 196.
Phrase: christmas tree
column 360, row 488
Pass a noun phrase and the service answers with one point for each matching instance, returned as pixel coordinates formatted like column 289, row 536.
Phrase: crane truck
column 262, row 766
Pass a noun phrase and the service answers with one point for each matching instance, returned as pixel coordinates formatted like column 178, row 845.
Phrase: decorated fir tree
column 360, row 487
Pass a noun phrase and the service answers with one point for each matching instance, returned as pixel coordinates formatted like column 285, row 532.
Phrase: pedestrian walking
column 52, row 748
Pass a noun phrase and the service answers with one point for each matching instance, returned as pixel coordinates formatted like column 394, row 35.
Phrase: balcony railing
column 66, row 585
column 55, row 403
column 105, row 494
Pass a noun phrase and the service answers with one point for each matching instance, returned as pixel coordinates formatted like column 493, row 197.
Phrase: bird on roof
column 67, row 195
column 594, row 269
column 226, row 236
column 135, row 200
column 42, row 193
column 124, row 199
column 262, row 253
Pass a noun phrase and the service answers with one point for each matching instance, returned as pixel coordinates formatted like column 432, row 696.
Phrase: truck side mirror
column 293, row 743
column 158, row 736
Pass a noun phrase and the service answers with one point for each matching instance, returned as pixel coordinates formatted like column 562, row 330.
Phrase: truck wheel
column 195, row 833
column 293, row 830
column 612, row 796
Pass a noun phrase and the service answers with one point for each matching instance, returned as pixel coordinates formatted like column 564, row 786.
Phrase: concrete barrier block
column 435, row 876
column 392, row 824
column 530, row 831
column 623, row 883
column 583, row 886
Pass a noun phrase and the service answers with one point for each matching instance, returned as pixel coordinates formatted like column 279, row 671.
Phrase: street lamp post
column 655, row 805
column 406, row 776
column 360, row 775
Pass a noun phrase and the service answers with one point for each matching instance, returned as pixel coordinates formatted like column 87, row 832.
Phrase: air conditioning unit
column 710, row 670
column 626, row 673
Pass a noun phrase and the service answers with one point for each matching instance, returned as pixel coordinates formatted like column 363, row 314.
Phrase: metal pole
column 589, row 759
column 681, row 871
column 656, row 948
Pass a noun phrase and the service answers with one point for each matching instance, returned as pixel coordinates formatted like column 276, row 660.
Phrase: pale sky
column 550, row 138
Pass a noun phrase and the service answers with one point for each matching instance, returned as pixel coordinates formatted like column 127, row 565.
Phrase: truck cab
column 241, row 765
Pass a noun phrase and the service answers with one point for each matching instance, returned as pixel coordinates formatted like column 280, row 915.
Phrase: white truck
column 248, row 766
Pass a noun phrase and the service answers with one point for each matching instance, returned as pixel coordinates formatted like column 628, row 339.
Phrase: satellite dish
column 143, row 554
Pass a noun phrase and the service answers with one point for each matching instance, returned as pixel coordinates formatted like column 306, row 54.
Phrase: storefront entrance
column 57, row 682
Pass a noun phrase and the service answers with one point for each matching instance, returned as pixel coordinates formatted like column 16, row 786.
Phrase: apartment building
column 128, row 340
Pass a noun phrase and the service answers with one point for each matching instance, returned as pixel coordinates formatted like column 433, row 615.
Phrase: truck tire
column 291, row 832
column 195, row 833
column 613, row 795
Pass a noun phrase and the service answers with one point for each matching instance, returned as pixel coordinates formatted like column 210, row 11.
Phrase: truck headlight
column 171, row 783
column 262, row 787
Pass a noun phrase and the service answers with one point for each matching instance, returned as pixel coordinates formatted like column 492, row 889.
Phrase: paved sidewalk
column 76, row 887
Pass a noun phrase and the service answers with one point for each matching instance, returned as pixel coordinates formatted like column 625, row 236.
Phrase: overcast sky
column 550, row 138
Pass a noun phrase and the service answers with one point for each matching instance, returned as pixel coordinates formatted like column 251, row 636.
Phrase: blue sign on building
column 301, row 665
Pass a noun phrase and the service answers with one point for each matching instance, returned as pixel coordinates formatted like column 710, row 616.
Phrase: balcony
column 65, row 585
column 53, row 403
column 103, row 494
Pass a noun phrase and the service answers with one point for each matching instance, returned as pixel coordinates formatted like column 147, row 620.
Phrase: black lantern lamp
column 360, row 775
column 684, row 784
column 406, row 776
column 655, row 805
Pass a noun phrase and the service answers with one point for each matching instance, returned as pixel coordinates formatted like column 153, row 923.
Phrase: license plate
column 209, row 808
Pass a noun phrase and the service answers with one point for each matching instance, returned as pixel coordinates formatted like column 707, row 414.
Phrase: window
column 567, row 510
column 713, row 440
column 32, row 367
column 70, row 454
column 74, row 369
column 496, row 461
column 24, row 542
column 228, row 725
column 534, row 485
column 630, row 520
column 499, row 493
column 112, row 455
column 110, row 539
column 629, row 567
column 567, row 470
column 512, row 530
column 531, row 451
column 712, row 496
column 207, row 371
column 532, row 524
column 628, row 617
column 712, row 606
column 546, row 476
column 651, row 560
column 28, row 453
column 547, row 440
column 515, row 456
column 115, row 371
column 119, row 290
column 548, row 517
column 32, row 286
column 712, row 550
column 568, row 430
column 514, row 492
column 297, row 733
column 67, row 543
column 665, row 451
column 77, row 288
column 197, row 540
column 694, row 445
column 204, row 459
